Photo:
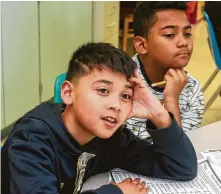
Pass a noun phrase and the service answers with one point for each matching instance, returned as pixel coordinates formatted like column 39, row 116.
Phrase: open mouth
column 110, row 121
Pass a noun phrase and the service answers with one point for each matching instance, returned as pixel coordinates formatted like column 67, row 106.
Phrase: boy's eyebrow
column 109, row 83
column 168, row 26
column 129, row 87
column 173, row 26
column 187, row 27
column 103, row 81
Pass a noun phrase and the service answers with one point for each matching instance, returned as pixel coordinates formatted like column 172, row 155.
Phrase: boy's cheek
column 128, row 111
column 129, row 106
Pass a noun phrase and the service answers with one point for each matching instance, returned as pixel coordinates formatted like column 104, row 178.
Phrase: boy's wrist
column 171, row 100
column 161, row 120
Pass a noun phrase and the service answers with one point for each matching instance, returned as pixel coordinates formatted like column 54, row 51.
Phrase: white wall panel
column 64, row 26
column 20, row 58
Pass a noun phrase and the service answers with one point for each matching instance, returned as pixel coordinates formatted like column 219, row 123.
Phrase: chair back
column 213, row 42
column 57, row 87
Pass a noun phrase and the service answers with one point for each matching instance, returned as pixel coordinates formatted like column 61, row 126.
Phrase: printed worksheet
column 214, row 158
column 206, row 182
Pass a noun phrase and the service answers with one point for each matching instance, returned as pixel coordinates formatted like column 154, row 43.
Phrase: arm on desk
column 171, row 156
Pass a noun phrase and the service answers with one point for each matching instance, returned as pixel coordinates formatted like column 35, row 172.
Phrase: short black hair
column 144, row 15
column 98, row 56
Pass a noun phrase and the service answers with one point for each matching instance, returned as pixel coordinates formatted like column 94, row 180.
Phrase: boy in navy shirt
column 54, row 148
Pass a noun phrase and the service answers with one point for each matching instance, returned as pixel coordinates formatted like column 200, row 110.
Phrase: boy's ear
column 67, row 92
column 140, row 44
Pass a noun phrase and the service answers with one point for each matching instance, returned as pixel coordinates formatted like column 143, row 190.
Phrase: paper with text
column 214, row 158
column 206, row 182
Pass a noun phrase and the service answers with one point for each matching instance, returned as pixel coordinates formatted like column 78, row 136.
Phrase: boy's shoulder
column 135, row 58
column 192, row 83
column 37, row 121
column 191, row 93
column 26, row 128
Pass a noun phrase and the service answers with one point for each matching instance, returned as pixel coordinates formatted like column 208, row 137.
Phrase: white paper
column 206, row 182
column 214, row 158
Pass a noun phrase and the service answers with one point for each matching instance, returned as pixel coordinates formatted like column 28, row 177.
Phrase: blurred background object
column 215, row 51
column 191, row 11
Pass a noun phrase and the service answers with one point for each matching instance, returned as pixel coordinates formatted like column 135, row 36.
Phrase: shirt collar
column 147, row 79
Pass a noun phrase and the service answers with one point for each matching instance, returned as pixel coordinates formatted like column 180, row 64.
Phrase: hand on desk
column 129, row 186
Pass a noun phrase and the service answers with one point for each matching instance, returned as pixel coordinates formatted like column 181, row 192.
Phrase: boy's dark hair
column 144, row 15
column 98, row 56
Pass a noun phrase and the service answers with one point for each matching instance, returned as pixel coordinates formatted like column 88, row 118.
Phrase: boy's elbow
column 190, row 176
column 193, row 176
column 193, row 171
column 187, row 168
column 190, row 171
column 186, row 175
column 191, row 165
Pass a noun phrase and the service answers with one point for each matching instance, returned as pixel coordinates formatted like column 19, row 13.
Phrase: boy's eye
column 188, row 34
column 126, row 96
column 103, row 90
column 169, row 35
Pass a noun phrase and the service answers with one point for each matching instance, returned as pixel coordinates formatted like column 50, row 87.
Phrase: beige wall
column 20, row 58
column 64, row 26
column 38, row 39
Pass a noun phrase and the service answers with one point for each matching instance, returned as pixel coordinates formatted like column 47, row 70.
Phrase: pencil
column 158, row 83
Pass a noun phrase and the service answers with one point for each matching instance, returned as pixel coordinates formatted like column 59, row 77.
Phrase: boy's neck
column 78, row 133
column 153, row 70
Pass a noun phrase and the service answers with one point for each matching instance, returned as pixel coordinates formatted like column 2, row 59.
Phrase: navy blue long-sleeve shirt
column 41, row 156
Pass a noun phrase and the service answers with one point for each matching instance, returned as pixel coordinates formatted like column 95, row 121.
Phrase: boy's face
column 101, row 102
column 169, row 42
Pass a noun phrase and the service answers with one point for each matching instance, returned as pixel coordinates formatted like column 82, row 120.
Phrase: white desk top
column 206, row 137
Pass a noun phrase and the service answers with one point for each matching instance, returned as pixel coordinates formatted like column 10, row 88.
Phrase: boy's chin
column 106, row 134
column 180, row 64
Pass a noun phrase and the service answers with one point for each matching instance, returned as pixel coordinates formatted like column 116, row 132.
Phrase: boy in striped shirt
column 164, row 45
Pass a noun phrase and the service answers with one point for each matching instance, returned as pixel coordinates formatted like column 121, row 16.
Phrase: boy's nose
column 116, row 106
column 182, row 42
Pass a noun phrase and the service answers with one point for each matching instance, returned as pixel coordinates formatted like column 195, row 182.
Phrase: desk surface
column 206, row 137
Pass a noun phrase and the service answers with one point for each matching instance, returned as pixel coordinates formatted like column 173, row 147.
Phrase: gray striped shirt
column 191, row 103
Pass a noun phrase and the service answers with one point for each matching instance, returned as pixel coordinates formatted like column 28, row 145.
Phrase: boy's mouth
column 110, row 121
column 183, row 53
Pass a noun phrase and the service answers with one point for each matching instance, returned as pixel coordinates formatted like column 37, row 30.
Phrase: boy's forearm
column 181, row 151
column 171, row 156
